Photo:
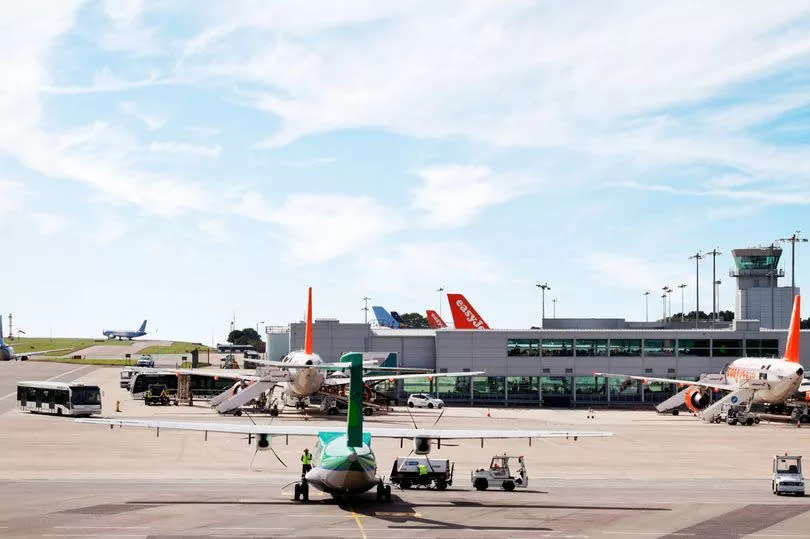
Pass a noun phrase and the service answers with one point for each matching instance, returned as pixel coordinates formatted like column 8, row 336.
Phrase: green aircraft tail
column 354, row 419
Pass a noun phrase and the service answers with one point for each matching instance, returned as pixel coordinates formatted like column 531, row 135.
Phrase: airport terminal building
column 555, row 366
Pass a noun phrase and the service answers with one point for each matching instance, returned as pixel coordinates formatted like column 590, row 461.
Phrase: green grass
column 176, row 347
column 94, row 361
column 23, row 345
column 187, row 365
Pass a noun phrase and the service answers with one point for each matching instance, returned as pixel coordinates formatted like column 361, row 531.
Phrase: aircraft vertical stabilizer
column 142, row 329
column 434, row 320
column 308, row 334
column 464, row 315
column 354, row 417
column 794, row 336
column 384, row 319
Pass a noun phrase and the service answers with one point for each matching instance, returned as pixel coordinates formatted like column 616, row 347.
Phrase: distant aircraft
column 384, row 318
column 434, row 320
column 343, row 461
column 748, row 380
column 125, row 334
column 464, row 315
column 7, row 352
column 402, row 323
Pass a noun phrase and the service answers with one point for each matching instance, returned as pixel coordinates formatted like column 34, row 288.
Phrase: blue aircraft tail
column 384, row 318
column 143, row 327
column 400, row 321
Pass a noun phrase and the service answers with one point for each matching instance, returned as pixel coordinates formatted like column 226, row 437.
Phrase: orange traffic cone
column 488, row 413
column 798, row 423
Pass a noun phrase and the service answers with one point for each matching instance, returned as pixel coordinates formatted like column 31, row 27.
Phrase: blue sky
column 181, row 161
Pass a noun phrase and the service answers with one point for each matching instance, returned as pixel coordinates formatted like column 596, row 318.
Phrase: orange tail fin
column 308, row 334
column 792, row 347
column 464, row 315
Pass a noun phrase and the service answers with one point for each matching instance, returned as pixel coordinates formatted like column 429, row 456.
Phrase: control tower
column 759, row 297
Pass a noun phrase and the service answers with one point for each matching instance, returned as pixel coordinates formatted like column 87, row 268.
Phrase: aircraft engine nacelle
column 696, row 398
column 262, row 442
column 6, row 353
column 422, row 446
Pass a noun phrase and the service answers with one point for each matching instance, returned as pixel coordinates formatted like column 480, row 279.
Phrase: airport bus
column 59, row 398
column 201, row 386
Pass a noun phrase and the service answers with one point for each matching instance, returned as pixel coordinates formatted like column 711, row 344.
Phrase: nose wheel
column 383, row 492
column 301, row 491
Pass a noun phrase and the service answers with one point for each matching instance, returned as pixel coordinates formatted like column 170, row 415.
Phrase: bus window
column 85, row 395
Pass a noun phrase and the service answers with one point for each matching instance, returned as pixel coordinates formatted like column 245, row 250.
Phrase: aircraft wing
column 30, row 354
column 314, row 430
column 702, row 383
column 344, row 380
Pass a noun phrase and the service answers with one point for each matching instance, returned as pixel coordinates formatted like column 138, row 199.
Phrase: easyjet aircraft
column 434, row 320
column 748, row 380
column 464, row 316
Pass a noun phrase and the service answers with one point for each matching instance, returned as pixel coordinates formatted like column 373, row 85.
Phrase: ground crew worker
column 423, row 471
column 306, row 461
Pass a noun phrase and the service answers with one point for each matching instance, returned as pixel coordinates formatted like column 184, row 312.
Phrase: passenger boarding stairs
column 740, row 397
column 227, row 401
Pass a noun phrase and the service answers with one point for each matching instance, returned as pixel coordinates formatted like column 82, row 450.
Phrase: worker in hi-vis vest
column 306, row 461
column 423, row 471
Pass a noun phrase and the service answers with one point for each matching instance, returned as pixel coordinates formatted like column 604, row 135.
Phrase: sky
column 186, row 162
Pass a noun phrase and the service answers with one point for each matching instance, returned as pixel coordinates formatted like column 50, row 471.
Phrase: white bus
column 58, row 398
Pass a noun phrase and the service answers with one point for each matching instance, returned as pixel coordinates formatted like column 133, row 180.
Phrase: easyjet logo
column 469, row 314
column 436, row 320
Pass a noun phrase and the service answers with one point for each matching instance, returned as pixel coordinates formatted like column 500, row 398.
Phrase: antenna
column 365, row 309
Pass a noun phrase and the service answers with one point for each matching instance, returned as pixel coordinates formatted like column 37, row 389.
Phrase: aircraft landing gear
column 383, row 492
column 301, row 491
column 274, row 411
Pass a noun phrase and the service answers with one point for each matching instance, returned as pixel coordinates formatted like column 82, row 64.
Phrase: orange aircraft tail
column 434, row 320
column 792, row 347
column 464, row 315
column 308, row 334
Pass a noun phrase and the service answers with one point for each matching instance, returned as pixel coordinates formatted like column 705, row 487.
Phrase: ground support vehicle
column 405, row 472
column 501, row 475
column 737, row 414
column 59, row 398
column 157, row 395
column 423, row 400
column 787, row 475
column 145, row 361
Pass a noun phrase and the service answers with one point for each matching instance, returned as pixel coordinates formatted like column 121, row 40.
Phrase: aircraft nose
column 799, row 371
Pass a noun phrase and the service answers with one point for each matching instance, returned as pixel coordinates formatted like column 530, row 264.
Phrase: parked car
column 145, row 361
column 422, row 400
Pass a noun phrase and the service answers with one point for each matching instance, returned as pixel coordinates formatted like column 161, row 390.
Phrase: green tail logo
column 354, row 419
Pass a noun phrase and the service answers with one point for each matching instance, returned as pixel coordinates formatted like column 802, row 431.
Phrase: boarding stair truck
column 405, row 472
column 698, row 398
column 240, row 396
column 735, row 407
column 787, row 475
column 501, row 475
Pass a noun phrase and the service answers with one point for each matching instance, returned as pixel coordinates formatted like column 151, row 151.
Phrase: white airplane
column 343, row 461
column 748, row 380
column 300, row 374
column 7, row 352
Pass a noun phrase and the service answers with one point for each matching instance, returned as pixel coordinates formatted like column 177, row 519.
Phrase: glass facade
column 625, row 347
column 591, row 347
column 752, row 262
column 659, row 347
column 523, row 388
column 624, row 390
column 489, row 388
column 590, row 389
column 726, row 348
column 762, row 348
column 558, row 347
column 693, row 347
column 556, row 390
column 523, row 347
column 453, row 388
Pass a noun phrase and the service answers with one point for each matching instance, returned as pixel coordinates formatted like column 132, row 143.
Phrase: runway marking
column 52, row 378
column 101, row 527
column 356, row 518
column 649, row 533
column 247, row 529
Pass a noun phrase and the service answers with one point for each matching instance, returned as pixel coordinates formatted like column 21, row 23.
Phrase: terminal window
column 558, row 347
column 693, row 347
column 523, row 347
column 659, row 347
column 591, row 347
column 625, row 347
column 762, row 348
column 726, row 348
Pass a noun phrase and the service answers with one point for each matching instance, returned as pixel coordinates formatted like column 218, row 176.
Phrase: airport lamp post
column 664, row 307
column 682, row 286
column 647, row 306
column 794, row 239
column 716, row 286
column 365, row 309
column 773, row 274
column 697, row 257
column 543, row 287
column 554, row 308
column 714, row 253
column 440, row 290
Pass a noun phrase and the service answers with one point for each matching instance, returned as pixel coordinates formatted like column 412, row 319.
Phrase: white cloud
column 214, row 229
column 633, row 273
column 204, row 131
column 49, row 224
column 318, row 228
column 153, row 121
column 185, row 148
column 453, row 194
column 11, row 195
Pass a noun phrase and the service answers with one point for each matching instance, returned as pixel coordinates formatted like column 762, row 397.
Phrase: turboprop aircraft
column 747, row 380
column 343, row 461
column 299, row 375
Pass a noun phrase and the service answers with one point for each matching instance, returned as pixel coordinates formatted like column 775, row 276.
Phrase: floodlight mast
column 682, row 286
column 543, row 287
column 647, row 306
column 793, row 240
column 440, row 290
column 697, row 257
column 714, row 253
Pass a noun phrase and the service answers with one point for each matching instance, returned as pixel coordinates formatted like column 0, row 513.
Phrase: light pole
column 543, row 287
column 440, row 290
column 647, row 306
column 794, row 239
column 682, row 286
column 554, row 308
column 666, row 290
column 714, row 253
column 664, row 309
column 257, row 325
column 698, row 257
column 717, row 284
column 365, row 309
